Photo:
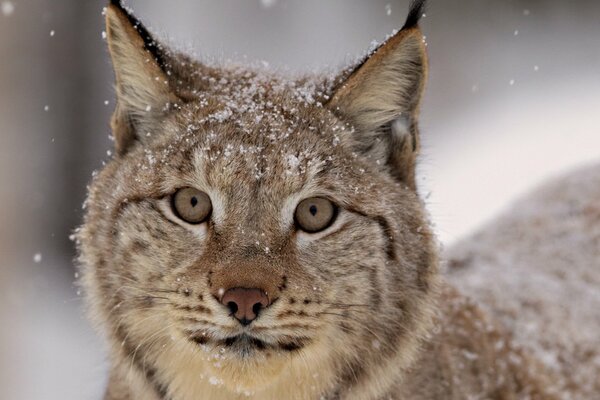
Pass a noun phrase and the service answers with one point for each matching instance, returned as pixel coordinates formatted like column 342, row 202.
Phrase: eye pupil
column 191, row 205
column 315, row 214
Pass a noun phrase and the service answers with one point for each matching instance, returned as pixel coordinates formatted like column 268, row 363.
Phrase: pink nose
column 245, row 304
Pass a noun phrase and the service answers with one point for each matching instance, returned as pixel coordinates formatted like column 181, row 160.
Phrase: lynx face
column 254, row 231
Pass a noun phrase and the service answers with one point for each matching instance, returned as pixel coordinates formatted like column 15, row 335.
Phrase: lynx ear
column 143, row 91
column 381, row 99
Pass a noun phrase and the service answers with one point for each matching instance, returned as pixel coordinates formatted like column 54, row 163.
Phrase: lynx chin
column 261, row 237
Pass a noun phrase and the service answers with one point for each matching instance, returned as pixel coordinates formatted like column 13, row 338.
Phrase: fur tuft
column 150, row 44
column 417, row 8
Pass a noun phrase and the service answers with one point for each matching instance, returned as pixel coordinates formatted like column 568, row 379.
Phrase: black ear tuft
column 417, row 8
column 150, row 44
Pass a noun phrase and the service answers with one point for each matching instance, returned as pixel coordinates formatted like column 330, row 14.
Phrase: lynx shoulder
column 536, row 270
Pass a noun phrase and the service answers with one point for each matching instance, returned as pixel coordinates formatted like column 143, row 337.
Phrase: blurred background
column 513, row 99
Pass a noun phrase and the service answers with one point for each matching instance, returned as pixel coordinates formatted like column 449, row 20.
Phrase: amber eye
column 192, row 205
column 315, row 214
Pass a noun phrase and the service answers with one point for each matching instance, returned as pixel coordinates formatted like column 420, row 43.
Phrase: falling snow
column 7, row 8
column 37, row 258
column 268, row 3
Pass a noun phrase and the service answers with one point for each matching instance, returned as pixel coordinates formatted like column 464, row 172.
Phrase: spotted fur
column 353, row 313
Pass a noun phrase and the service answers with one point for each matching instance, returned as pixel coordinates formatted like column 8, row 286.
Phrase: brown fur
column 358, row 310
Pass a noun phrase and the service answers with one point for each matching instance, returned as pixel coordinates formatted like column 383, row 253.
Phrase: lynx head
column 254, row 231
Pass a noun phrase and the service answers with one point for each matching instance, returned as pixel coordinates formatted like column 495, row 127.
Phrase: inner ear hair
column 381, row 99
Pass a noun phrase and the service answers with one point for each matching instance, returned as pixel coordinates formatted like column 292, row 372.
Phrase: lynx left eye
column 192, row 205
column 315, row 214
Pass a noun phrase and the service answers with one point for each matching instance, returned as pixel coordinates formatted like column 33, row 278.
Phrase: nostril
column 233, row 307
column 256, row 308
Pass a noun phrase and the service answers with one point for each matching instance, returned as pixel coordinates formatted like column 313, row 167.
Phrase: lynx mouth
column 245, row 344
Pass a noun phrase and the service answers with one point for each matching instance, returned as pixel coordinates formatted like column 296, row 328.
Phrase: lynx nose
column 245, row 304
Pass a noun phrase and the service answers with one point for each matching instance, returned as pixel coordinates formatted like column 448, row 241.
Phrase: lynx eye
column 315, row 214
column 191, row 205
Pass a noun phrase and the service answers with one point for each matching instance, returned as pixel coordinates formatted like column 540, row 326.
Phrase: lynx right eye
column 191, row 205
column 315, row 214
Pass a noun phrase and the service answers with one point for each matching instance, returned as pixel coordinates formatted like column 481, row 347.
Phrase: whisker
column 346, row 305
column 352, row 318
column 150, row 341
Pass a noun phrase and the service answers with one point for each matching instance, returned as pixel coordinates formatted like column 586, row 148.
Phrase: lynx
column 262, row 237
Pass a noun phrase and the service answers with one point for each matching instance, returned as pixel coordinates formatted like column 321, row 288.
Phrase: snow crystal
column 222, row 116
column 511, row 82
column 268, row 3
column 292, row 161
column 46, row 108
column 37, row 258
column 516, row 32
column 7, row 8
column 104, row 35
column 214, row 381
column 52, row 33
column 388, row 9
column 536, row 68
column 106, row 102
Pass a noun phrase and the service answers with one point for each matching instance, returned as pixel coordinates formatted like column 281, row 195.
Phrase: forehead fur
column 244, row 126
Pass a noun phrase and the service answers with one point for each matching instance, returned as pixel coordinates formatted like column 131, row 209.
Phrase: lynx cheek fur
column 247, row 301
